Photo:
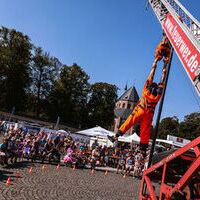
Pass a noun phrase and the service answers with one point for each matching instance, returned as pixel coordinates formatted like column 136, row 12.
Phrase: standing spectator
column 95, row 144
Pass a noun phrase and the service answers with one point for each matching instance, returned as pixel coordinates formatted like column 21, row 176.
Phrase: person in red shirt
column 144, row 111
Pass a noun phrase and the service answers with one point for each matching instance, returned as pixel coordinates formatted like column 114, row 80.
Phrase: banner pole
column 159, row 115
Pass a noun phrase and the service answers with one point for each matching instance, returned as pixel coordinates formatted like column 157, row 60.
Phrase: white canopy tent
column 130, row 138
column 126, row 139
column 100, row 132
column 164, row 141
column 63, row 132
column 95, row 132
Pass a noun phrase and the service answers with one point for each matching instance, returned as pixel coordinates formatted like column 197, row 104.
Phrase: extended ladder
column 183, row 31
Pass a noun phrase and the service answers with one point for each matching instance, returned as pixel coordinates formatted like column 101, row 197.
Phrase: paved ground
column 65, row 184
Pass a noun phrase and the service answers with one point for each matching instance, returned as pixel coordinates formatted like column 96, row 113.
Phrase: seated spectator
column 102, row 155
column 95, row 158
column 27, row 149
column 129, row 164
column 82, row 147
column 56, row 139
column 3, row 151
column 11, row 149
column 70, row 159
column 42, row 134
column 48, row 149
column 121, row 164
column 43, row 141
column 35, row 151
column 137, row 166
column 106, row 157
column 95, row 144
column 19, row 150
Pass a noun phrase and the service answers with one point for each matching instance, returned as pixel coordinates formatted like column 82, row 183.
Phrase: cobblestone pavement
column 65, row 184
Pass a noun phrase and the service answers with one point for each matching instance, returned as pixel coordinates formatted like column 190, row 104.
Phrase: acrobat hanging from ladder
column 151, row 94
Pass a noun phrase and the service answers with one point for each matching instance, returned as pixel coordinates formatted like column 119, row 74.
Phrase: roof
column 122, row 113
column 130, row 95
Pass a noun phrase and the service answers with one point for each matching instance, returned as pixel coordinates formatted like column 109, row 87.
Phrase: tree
column 69, row 97
column 190, row 127
column 168, row 126
column 15, row 57
column 101, row 104
column 44, row 73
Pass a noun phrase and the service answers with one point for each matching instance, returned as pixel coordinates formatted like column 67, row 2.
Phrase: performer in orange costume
column 162, row 50
column 144, row 111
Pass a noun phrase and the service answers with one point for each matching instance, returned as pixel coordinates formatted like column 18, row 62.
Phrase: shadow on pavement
column 19, row 165
column 4, row 175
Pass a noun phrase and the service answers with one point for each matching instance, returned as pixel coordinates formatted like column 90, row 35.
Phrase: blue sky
column 112, row 40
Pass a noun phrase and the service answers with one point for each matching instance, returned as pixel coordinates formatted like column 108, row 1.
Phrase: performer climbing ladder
column 162, row 50
column 151, row 95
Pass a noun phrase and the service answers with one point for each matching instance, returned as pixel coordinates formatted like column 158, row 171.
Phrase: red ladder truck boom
column 183, row 31
column 177, row 171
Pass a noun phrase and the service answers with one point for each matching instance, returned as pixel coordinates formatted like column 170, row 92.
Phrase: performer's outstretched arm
column 163, row 76
column 151, row 75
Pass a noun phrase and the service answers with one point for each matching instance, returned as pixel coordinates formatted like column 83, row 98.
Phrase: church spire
column 126, row 87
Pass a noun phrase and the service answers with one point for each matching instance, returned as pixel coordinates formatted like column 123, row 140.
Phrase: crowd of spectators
column 18, row 144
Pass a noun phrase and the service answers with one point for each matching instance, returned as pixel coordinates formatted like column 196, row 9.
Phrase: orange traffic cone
column 74, row 168
column 124, row 175
column 31, row 170
column 58, row 167
column 18, row 174
column 8, row 181
column 106, row 173
column 92, row 172
column 43, row 168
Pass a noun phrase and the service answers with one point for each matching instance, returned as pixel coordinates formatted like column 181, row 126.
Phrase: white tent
column 164, row 141
column 130, row 138
column 96, row 131
column 63, row 132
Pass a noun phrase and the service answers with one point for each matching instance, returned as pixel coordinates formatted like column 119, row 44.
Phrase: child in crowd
column 27, row 149
column 129, row 164
column 70, row 159
column 121, row 164
column 19, row 150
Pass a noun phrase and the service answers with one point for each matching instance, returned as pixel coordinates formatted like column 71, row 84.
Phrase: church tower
column 124, row 107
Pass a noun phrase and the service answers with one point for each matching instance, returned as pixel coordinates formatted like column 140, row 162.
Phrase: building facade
column 124, row 107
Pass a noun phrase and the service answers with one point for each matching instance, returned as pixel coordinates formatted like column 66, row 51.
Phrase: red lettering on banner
column 188, row 54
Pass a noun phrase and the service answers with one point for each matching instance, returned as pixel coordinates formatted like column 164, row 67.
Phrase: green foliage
column 15, row 57
column 101, row 104
column 69, row 97
column 168, row 126
column 44, row 73
column 30, row 81
column 188, row 129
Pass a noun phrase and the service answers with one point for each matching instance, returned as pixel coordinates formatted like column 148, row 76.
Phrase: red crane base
column 178, row 174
